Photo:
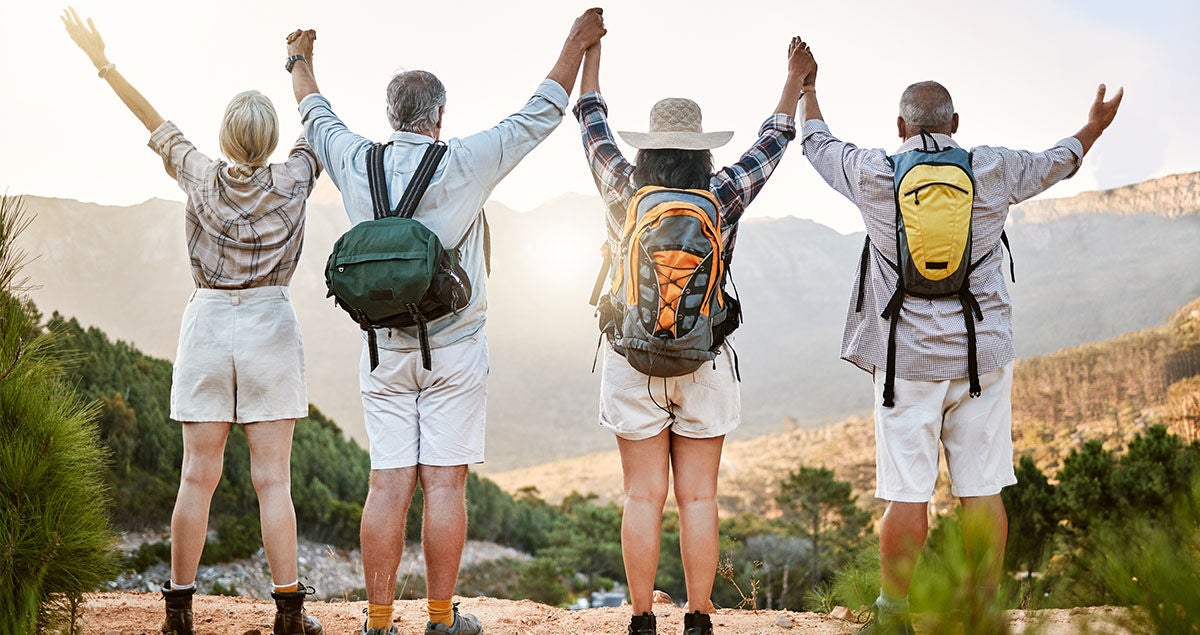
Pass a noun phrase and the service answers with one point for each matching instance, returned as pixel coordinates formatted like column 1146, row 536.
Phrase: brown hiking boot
column 290, row 617
column 179, row 611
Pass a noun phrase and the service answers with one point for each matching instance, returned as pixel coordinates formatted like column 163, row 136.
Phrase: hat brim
column 676, row 140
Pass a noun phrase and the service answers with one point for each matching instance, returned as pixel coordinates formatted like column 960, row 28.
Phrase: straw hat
column 675, row 124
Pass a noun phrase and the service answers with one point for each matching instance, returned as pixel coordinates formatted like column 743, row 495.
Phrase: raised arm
column 798, row 57
column 304, row 78
column 589, row 81
column 88, row 38
column 807, row 68
column 587, row 31
column 1100, row 116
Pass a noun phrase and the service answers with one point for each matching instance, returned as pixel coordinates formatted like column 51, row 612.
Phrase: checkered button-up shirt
column 242, row 232
column 931, row 337
column 733, row 186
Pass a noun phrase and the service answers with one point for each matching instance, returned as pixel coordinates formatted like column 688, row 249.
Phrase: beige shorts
column 976, row 434
column 240, row 358
column 427, row 417
column 705, row 404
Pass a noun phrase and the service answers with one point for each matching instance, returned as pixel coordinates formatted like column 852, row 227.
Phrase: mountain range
column 1088, row 268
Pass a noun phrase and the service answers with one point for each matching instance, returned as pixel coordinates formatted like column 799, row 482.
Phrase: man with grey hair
column 425, row 423
column 932, row 400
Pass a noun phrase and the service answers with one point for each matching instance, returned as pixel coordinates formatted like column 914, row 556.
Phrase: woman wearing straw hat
column 240, row 358
column 702, row 407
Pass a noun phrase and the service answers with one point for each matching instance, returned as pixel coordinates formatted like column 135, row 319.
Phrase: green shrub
column 55, row 541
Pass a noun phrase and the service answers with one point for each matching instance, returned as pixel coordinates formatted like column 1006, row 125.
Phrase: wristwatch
column 291, row 61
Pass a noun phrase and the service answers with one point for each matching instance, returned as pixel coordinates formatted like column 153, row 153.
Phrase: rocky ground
column 334, row 573
column 135, row 613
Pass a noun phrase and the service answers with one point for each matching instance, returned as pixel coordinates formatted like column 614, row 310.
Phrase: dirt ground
column 141, row 613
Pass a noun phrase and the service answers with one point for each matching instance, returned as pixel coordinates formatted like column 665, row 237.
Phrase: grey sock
column 894, row 606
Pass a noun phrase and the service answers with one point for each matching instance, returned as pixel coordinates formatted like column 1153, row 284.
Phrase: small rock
column 842, row 613
column 784, row 621
column 660, row 597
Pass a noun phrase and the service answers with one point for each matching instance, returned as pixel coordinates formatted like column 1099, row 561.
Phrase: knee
column 654, row 494
column 688, row 497
column 271, row 478
column 201, row 473
column 443, row 483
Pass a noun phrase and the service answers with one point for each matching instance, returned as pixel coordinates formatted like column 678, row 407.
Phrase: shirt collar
column 410, row 137
column 914, row 143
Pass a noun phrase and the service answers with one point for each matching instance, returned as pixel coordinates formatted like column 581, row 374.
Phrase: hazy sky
column 1022, row 74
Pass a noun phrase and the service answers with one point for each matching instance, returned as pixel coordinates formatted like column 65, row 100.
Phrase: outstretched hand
column 801, row 62
column 300, row 42
column 85, row 36
column 1102, row 112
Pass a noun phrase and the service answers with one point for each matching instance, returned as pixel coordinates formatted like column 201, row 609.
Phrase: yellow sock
column 441, row 611
column 288, row 588
column 379, row 616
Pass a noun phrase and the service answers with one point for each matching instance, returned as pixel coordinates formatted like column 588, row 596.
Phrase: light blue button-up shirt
column 451, row 207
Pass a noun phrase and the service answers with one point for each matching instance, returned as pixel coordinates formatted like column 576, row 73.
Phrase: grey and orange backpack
column 935, row 192
column 667, row 311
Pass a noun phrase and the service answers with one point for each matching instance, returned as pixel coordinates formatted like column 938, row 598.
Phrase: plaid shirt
column 931, row 337
column 242, row 232
column 734, row 186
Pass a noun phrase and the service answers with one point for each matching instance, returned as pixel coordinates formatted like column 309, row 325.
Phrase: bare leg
column 646, row 466
column 901, row 536
column 382, row 533
column 985, row 525
column 203, row 459
column 695, row 463
column 444, row 527
column 271, row 472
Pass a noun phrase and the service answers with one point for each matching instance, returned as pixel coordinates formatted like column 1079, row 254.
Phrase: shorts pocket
column 619, row 374
column 715, row 378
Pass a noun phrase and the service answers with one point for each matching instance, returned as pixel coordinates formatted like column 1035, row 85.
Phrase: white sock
column 183, row 587
column 285, row 586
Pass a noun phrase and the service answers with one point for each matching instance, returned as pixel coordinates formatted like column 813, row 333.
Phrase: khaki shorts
column 705, row 404
column 427, row 417
column 976, row 434
column 240, row 358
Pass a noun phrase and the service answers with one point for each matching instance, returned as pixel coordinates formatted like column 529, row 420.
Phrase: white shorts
column 240, row 358
column 706, row 403
column 976, row 434
column 428, row 417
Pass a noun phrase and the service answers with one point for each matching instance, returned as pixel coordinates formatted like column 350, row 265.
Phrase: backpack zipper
column 915, row 190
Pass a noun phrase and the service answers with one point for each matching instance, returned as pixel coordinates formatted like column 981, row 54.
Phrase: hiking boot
column 697, row 623
column 379, row 631
column 880, row 623
column 179, row 610
column 463, row 624
column 290, row 616
column 643, row 625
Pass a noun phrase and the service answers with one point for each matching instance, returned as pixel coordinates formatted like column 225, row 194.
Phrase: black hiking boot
column 290, row 617
column 643, row 625
column 697, row 623
column 179, row 611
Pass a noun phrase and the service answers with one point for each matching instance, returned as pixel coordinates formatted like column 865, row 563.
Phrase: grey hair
column 927, row 105
column 413, row 100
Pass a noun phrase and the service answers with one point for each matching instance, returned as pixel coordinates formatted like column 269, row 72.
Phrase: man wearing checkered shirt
column 932, row 393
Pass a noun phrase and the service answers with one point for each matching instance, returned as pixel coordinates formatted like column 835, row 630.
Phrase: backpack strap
column 487, row 242
column 971, row 314
column 377, row 180
column 862, row 274
column 420, row 180
column 1012, row 269
column 892, row 313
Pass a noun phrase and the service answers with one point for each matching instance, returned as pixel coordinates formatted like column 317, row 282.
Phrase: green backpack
column 393, row 271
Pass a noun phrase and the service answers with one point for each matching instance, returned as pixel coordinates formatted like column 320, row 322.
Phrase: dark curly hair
column 683, row 169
